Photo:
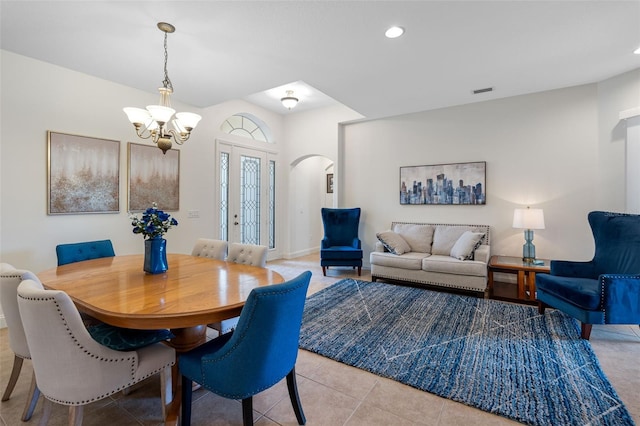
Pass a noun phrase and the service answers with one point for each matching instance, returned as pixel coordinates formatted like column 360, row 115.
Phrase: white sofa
column 446, row 255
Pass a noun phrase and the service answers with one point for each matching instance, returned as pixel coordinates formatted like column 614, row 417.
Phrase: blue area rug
column 500, row 357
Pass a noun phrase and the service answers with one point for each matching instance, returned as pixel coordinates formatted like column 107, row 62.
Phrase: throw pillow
column 466, row 245
column 125, row 339
column 419, row 237
column 393, row 242
column 444, row 237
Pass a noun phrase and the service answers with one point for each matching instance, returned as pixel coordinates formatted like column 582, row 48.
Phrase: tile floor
column 331, row 393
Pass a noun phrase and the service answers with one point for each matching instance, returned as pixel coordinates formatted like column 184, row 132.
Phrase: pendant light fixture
column 154, row 121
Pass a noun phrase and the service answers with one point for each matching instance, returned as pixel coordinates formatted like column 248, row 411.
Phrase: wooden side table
column 526, row 278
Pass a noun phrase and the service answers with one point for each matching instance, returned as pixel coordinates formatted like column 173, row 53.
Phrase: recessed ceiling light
column 637, row 51
column 394, row 32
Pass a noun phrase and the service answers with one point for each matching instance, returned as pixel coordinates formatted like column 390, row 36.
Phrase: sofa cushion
column 419, row 237
column 393, row 242
column 449, row 265
column 445, row 237
column 412, row 260
column 465, row 246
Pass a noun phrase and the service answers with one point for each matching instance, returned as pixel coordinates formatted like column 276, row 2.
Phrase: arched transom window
column 248, row 126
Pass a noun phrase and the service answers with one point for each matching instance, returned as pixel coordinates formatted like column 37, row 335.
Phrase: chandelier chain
column 166, row 83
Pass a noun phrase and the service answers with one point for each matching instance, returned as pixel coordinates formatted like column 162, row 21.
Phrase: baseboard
column 301, row 253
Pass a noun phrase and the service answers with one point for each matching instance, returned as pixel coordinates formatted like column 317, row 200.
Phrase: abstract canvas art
column 83, row 174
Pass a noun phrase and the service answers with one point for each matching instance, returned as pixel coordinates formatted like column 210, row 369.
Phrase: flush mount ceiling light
column 289, row 101
column 153, row 121
column 394, row 32
column 637, row 51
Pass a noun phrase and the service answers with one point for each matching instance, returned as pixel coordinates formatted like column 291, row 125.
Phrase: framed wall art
column 154, row 177
column 329, row 183
column 449, row 184
column 83, row 174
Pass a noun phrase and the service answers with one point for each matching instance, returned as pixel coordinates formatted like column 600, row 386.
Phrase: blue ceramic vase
column 155, row 255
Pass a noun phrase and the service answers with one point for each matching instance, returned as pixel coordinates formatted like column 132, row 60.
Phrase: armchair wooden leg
column 541, row 307
column 585, row 331
column 247, row 411
column 295, row 398
column 324, row 271
column 15, row 373
column 187, row 395
column 32, row 400
column 359, row 271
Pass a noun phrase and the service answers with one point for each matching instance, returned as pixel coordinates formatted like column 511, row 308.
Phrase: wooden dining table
column 193, row 292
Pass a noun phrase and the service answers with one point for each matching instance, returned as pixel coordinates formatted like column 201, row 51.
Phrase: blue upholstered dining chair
column 77, row 252
column 606, row 289
column 341, row 245
column 260, row 352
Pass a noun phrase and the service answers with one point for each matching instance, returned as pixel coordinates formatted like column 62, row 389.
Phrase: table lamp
column 528, row 219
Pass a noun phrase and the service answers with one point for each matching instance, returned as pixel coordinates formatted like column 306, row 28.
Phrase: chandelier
column 154, row 121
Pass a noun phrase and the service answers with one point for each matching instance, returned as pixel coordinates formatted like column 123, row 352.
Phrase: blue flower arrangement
column 154, row 223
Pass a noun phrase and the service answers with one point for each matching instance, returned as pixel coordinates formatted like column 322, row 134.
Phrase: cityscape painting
column 450, row 184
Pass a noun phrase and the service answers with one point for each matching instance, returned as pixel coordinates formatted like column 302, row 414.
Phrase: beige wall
column 558, row 150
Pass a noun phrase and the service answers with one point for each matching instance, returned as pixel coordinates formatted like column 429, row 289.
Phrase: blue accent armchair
column 77, row 252
column 605, row 290
column 341, row 245
column 260, row 352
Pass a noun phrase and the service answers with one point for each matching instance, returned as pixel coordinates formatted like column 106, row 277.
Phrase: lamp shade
column 528, row 218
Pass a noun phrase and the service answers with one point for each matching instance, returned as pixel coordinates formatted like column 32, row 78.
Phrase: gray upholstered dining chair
column 246, row 254
column 213, row 249
column 10, row 279
column 73, row 369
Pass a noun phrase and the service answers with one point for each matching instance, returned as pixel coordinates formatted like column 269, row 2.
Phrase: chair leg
column 76, row 413
column 295, row 398
column 541, row 307
column 247, row 411
column 15, row 373
column 187, row 394
column 324, row 271
column 585, row 331
column 165, row 390
column 32, row 400
column 359, row 271
column 47, row 407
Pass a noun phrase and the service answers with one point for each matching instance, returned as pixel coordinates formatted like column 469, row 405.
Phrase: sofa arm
column 379, row 247
column 567, row 268
column 482, row 253
column 621, row 298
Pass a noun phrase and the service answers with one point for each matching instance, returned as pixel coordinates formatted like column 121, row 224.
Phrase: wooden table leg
column 521, row 285
column 531, row 281
column 185, row 340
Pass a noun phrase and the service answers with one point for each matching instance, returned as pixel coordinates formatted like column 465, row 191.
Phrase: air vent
column 486, row 89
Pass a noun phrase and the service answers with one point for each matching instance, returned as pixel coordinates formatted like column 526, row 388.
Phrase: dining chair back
column 248, row 254
column 73, row 369
column 77, row 252
column 213, row 249
column 10, row 279
column 260, row 352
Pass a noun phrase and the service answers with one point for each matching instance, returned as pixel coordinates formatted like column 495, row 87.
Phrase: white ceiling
column 333, row 50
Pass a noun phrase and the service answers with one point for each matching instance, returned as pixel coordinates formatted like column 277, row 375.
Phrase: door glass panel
column 272, row 204
column 224, row 196
column 249, row 200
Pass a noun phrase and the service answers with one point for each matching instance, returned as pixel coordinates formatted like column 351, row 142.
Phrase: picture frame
column 153, row 177
column 83, row 174
column 444, row 184
column 329, row 183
